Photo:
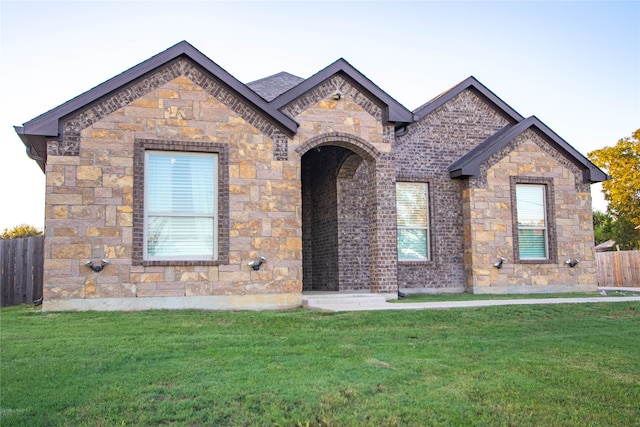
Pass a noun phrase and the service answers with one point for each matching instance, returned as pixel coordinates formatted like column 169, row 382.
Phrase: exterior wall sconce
column 337, row 96
column 498, row 264
column 257, row 264
column 97, row 267
column 572, row 262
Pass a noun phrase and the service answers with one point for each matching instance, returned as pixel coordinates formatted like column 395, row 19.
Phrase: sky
column 573, row 64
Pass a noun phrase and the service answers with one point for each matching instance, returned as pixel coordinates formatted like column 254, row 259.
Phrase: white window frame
column 213, row 215
column 544, row 228
column 425, row 227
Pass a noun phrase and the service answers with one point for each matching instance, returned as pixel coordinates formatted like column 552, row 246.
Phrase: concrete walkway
column 336, row 302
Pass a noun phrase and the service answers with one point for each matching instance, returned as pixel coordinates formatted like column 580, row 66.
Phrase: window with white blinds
column 180, row 215
column 532, row 221
column 412, row 205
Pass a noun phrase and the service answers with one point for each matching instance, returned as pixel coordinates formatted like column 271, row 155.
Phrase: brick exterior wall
column 320, row 217
column 91, row 211
column 320, row 206
column 353, row 225
column 352, row 123
column 347, row 235
column 423, row 154
column 491, row 232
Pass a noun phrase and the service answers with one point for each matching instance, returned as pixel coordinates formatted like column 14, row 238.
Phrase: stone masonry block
column 89, row 173
column 71, row 251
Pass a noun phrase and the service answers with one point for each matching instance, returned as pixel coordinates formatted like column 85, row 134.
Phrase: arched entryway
column 348, row 216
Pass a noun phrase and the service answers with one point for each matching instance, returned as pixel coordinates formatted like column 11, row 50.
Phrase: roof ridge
column 469, row 82
column 395, row 111
column 274, row 75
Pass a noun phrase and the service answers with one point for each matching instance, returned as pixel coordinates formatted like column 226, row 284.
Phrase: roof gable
column 270, row 95
column 473, row 84
column 469, row 164
column 392, row 110
column 47, row 123
column 34, row 132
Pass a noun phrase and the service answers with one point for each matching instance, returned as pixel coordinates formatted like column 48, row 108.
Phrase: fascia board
column 47, row 123
column 469, row 165
column 395, row 112
column 592, row 172
column 469, row 83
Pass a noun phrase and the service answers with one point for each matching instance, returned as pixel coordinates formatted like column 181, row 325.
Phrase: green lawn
column 475, row 297
column 556, row 365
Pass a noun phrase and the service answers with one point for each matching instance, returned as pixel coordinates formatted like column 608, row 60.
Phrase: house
column 174, row 185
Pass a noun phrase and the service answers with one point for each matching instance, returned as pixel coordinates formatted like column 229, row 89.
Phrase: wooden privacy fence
column 618, row 268
column 21, row 268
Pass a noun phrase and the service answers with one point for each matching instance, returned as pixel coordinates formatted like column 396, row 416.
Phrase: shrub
column 22, row 230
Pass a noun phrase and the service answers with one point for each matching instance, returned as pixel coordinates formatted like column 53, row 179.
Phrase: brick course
column 320, row 203
column 423, row 154
column 95, row 193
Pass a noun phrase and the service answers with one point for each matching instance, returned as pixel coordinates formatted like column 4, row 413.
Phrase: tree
column 622, row 191
column 22, row 230
column 606, row 227
column 602, row 227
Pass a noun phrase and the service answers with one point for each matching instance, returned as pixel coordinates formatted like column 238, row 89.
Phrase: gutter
column 30, row 149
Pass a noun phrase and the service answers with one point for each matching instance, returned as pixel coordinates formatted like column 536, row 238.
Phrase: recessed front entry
column 335, row 220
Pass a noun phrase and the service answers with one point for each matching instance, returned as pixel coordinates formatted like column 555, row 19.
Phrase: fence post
column 20, row 277
column 38, row 268
column 29, row 283
column 4, row 275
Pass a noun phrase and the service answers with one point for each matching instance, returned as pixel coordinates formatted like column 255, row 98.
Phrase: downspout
column 401, row 131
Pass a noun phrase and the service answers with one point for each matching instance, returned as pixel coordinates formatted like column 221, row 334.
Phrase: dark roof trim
column 47, row 123
column 36, row 146
column 393, row 111
column 469, row 164
column 468, row 83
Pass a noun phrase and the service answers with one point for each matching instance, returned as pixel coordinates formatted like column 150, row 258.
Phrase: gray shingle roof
column 269, row 94
column 271, row 87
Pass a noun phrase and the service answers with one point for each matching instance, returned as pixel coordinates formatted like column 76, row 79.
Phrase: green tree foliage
column 602, row 227
column 606, row 227
column 622, row 163
column 621, row 191
column 22, row 230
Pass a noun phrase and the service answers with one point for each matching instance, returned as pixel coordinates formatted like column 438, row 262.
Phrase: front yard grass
column 555, row 365
column 476, row 297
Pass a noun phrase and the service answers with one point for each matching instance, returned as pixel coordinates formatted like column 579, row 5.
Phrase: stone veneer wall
column 354, row 123
column 423, row 154
column 90, row 208
column 489, row 224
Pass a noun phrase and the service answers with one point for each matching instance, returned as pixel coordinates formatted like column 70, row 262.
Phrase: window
column 180, row 212
column 531, row 211
column 413, row 224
